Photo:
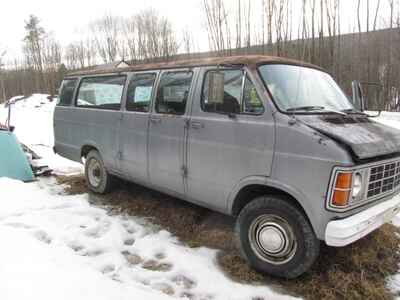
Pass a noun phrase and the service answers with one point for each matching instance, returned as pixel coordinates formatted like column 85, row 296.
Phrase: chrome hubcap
column 272, row 239
column 94, row 172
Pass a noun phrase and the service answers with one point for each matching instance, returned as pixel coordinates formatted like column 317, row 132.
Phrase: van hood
column 365, row 137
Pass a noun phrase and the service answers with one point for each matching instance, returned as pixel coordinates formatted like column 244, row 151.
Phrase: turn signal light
column 340, row 198
column 343, row 181
column 342, row 189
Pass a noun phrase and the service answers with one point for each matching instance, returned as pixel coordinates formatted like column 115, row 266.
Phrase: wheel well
column 248, row 193
column 86, row 149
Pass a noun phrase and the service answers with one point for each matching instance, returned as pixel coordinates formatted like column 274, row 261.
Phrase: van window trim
column 192, row 87
column 75, row 102
column 153, row 95
column 246, row 73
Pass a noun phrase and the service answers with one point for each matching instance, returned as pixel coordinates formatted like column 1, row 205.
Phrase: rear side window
column 101, row 92
column 173, row 92
column 238, row 97
column 67, row 92
column 140, row 89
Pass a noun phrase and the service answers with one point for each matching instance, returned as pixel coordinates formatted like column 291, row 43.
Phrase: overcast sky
column 67, row 18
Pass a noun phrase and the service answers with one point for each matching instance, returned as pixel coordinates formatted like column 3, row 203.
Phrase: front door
column 167, row 130
column 229, row 139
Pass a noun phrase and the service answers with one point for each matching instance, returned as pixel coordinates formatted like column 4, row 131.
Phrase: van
column 272, row 141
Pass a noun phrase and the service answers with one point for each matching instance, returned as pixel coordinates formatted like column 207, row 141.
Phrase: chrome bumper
column 342, row 232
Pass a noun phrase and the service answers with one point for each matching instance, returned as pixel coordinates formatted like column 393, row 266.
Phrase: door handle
column 155, row 120
column 197, row 125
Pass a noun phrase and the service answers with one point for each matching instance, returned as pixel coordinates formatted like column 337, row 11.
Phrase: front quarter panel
column 303, row 161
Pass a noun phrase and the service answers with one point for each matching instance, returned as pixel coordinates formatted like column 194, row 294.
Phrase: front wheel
column 97, row 177
column 276, row 238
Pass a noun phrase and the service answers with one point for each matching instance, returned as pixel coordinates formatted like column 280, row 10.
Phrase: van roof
column 225, row 60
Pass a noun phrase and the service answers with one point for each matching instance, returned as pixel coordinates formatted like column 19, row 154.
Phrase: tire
column 98, row 179
column 276, row 238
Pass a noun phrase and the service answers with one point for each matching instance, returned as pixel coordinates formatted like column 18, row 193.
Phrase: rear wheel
column 276, row 238
column 97, row 177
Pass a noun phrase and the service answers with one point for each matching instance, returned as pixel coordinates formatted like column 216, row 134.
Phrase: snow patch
column 58, row 246
column 33, row 121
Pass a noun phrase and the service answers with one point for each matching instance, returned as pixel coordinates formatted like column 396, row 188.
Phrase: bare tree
column 217, row 24
column 33, row 47
column 239, row 25
column 71, row 57
column 279, row 26
column 321, row 32
column 155, row 36
column 270, row 12
column 313, row 8
column 106, row 35
column 51, row 61
column 248, row 25
column 376, row 14
column 304, row 31
column 3, row 87
column 130, row 37
column 188, row 42
column 389, row 52
column 90, row 51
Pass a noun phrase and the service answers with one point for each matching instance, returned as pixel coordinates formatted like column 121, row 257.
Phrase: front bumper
column 342, row 232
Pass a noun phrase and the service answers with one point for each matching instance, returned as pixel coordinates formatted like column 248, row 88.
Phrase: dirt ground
column 358, row 271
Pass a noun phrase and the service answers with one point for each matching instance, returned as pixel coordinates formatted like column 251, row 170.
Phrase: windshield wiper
column 309, row 108
column 354, row 111
column 357, row 112
column 316, row 108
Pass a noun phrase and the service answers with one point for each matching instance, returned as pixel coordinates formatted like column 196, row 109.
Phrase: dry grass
column 358, row 271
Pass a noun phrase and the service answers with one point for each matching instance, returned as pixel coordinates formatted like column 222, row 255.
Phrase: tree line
column 309, row 30
column 367, row 50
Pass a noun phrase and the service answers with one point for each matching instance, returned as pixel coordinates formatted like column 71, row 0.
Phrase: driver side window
column 239, row 94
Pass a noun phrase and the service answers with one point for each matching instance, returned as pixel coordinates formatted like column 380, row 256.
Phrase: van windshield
column 300, row 89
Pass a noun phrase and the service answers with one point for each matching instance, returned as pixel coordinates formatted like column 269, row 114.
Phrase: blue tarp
column 13, row 161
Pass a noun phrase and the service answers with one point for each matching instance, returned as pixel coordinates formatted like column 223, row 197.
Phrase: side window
column 236, row 98
column 230, row 103
column 101, row 92
column 139, row 92
column 173, row 92
column 252, row 103
column 67, row 92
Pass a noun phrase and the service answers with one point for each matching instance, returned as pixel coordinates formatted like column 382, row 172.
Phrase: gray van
column 272, row 141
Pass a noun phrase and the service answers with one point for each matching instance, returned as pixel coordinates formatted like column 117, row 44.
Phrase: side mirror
column 216, row 82
column 358, row 98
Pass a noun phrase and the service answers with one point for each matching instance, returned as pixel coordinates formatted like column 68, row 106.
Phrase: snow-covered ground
column 58, row 246
column 33, row 121
column 389, row 118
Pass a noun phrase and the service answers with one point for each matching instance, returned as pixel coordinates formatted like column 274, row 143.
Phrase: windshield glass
column 296, row 88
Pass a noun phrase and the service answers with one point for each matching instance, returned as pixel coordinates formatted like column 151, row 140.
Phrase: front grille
column 383, row 179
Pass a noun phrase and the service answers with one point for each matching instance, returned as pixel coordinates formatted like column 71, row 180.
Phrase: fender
column 270, row 182
column 89, row 143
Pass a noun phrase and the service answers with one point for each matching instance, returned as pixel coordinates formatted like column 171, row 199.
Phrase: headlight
column 357, row 185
